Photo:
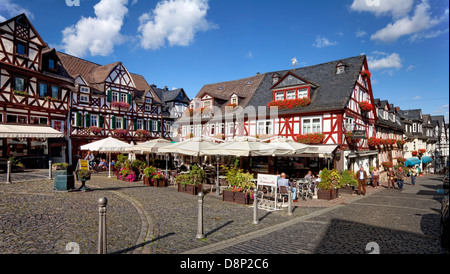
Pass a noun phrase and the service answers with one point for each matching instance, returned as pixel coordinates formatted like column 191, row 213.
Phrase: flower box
column 155, row 182
column 120, row 132
column 290, row 104
column 95, row 130
column 190, row 189
column 311, row 138
column 120, row 105
column 236, row 197
column 328, row 194
column 366, row 73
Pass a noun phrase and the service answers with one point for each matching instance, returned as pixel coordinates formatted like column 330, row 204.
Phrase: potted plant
column 95, row 130
column 83, row 176
column 365, row 106
column 330, row 182
column 311, row 138
column 16, row 166
column 191, row 183
column 366, row 73
column 240, row 186
column 348, row 180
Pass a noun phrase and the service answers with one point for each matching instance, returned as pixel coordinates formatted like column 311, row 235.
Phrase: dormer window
column 302, row 93
column 234, row 101
column 51, row 64
column 340, row 68
column 148, row 100
column 21, row 48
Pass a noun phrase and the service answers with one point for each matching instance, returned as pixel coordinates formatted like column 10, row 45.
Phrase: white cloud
column 384, row 61
column 97, row 35
column 322, row 42
column 176, row 21
column 360, row 33
column 420, row 21
column 396, row 8
column 416, row 97
column 13, row 10
column 411, row 67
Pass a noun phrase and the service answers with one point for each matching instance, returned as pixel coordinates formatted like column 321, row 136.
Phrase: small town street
column 145, row 220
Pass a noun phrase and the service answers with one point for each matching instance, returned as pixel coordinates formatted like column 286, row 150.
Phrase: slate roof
column 96, row 75
column 329, row 91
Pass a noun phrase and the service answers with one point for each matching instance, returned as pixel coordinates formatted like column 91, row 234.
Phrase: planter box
column 154, row 183
column 236, row 197
column 190, row 189
column 326, row 194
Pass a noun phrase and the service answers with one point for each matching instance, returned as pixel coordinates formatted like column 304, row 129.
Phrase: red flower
column 366, row 106
column 290, row 104
column 366, row 73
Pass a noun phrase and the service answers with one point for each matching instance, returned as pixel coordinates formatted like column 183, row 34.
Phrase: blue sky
column 190, row 43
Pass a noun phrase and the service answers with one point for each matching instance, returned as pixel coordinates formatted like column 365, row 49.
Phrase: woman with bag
column 390, row 178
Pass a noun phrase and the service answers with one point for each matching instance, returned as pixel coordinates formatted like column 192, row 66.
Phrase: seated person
column 309, row 176
column 282, row 181
column 102, row 163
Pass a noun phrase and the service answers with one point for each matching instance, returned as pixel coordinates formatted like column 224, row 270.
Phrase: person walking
column 376, row 177
column 362, row 178
column 390, row 178
column 401, row 175
column 413, row 172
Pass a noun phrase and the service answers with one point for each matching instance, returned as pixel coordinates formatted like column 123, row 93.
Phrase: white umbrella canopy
column 109, row 144
column 190, row 147
column 151, row 146
column 294, row 147
column 241, row 148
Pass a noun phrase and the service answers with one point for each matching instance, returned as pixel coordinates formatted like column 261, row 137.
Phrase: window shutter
column 109, row 95
column 124, row 123
column 79, row 117
column 150, row 123
column 100, row 121
column 135, row 124
column 113, row 122
column 145, row 124
column 129, row 99
column 87, row 120
column 159, row 126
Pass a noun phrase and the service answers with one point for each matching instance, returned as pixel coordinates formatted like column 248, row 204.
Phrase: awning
column 322, row 151
column 16, row 131
column 366, row 153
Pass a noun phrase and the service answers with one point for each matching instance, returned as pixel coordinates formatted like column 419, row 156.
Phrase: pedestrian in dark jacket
column 401, row 175
column 362, row 178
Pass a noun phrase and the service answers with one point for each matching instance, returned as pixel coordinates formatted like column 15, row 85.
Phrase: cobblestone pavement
column 140, row 219
column 395, row 222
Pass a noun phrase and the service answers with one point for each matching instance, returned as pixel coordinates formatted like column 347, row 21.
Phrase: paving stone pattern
column 147, row 220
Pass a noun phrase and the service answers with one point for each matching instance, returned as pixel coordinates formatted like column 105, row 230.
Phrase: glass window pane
column 20, row 84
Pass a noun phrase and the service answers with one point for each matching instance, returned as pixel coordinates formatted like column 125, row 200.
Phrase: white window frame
column 84, row 89
column 123, row 97
column 206, row 103
column 115, row 96
column 139, row 124
column 119, row 122
column 148, row 108
column 302, row 93
column 311, row 119
column 84, row 99
column 290, row 94
column 148, row 100
column 349, row 123
column 279, row 96
column 94, row 121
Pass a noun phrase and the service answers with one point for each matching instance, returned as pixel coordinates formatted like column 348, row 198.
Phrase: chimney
column 166, row 88
column 258, row 73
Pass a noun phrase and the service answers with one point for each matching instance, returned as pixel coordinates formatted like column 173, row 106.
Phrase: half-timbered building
column 110, row 101
column 34, row 96
column 333, row 100
column 389, row 133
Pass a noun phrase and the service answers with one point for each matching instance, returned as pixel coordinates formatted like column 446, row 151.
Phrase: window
column 290, row 95
column 55, row 92
column 51, row 64
column 212, row 130
column 279, row 96
column 115, row 97
column 84, row 99
column 148, row 100
column 414, row 127
column 155, row 125
column 123, row 97
column 340, row 70
column 234, row 100
column 21, row 48
column 58, row 125
column 94, row 121
column 35, row 120
column 84, row 89
column 19, row 84
column 119, row 123
column 265, row 127
column 140, row 124
column 14, row 119
column 43, row 88
column 302, row 93
column 148, row 108
column 231, row 129
column 311, row 125
column 349, row 123
column 206, row 104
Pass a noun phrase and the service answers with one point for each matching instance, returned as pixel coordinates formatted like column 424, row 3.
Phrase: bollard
column 255, row 207
column 102, row 225
column 50, row 170
column 290, row 201
column 200, row 234
column 8, row 173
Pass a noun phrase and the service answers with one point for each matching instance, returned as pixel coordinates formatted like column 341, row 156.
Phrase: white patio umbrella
column 151, row 146
column 190, row 147
column 244, row 147
column 294, row 147
column 108, row 145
